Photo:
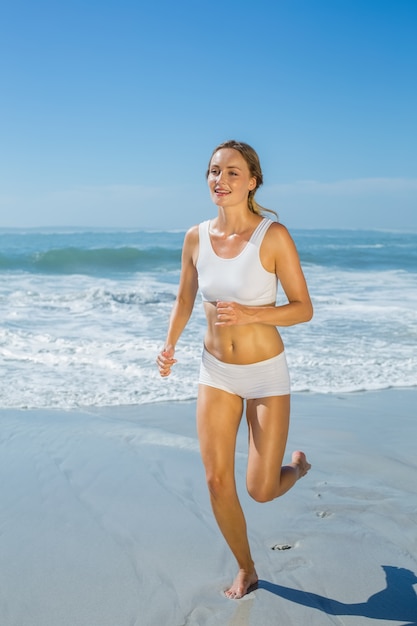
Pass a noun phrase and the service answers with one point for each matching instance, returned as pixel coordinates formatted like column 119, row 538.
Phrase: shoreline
column 106, row 521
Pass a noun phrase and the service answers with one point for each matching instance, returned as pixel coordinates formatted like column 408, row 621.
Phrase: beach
column 105, row 518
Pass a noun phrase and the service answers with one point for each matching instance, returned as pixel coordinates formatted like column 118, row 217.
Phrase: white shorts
column 255, row 380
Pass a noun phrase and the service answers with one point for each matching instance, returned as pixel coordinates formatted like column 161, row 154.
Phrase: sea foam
column 90, row 338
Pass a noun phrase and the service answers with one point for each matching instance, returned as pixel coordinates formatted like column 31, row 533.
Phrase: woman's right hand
column 165, row 360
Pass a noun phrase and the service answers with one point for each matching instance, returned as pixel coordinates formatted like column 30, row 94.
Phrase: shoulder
column 278, row 248
column 192, row 236
column 191, row 244
column 192, row 233
column 278, row 234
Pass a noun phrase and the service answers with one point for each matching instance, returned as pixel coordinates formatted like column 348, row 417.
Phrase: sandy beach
column 105, row 519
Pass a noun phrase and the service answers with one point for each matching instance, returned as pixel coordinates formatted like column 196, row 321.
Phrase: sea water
column 83, row 315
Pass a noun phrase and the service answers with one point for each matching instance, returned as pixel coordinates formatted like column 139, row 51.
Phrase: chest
column 228, row 247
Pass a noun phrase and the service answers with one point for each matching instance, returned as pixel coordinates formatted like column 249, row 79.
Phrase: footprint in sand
column 296, row 564
column 281, row 546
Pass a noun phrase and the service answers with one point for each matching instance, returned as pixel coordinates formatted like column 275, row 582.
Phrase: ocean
column 83, row 314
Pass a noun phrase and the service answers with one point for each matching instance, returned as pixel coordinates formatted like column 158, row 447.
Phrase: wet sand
column 105, row 519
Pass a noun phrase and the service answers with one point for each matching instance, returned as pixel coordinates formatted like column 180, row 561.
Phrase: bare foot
column 244, row 583
column 300, row 462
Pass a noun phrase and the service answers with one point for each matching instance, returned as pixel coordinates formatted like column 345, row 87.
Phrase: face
column 229, row 178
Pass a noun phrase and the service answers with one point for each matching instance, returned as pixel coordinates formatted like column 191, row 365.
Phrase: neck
column 234, row 223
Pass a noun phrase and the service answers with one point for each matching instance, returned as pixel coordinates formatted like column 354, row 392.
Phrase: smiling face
column 229, row 178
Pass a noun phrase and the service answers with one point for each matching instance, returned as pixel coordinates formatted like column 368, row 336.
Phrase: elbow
column 309, row 312
column 185, row 302
column 302, row 312
column 306, row 312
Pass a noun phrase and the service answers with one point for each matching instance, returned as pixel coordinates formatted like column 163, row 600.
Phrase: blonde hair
column 254, row 165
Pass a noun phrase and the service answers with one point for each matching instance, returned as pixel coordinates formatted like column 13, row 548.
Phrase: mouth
column 221, row 192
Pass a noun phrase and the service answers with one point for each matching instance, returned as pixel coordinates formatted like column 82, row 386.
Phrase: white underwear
column 255, row 380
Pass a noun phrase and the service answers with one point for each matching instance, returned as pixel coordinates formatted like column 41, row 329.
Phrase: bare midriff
column 243, row 344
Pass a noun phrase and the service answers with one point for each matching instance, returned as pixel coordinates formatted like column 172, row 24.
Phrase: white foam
column 88, row 341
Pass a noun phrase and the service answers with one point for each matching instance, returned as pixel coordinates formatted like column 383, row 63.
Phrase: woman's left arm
column 278, row 254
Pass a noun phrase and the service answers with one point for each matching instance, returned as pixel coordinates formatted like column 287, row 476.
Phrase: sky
column 110, row 110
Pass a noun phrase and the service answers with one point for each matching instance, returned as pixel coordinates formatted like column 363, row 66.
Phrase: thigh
column 268, row 423
column 218, row 417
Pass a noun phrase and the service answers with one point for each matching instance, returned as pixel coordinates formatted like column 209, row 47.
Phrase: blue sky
column 109, row 110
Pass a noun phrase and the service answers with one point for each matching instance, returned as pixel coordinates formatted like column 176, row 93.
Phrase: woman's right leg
column 218, row 417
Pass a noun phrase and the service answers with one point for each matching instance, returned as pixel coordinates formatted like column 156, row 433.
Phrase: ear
column 252, row 184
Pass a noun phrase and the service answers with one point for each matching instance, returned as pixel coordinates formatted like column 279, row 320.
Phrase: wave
column 107, row 253
column 358, row 250
column 68, row 341
column 362, row 257
column 74, row 260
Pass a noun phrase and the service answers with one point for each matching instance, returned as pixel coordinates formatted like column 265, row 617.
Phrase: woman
column 236, row 260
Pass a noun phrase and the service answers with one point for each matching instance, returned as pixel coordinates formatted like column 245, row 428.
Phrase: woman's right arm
column 184, row 302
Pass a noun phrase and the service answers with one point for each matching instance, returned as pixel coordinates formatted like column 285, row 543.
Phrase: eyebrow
column 229, row 167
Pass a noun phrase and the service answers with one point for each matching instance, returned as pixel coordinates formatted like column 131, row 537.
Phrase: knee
column 220, row 485
column 262, row 492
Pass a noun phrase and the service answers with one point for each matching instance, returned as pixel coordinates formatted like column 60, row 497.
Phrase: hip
column 261, row 379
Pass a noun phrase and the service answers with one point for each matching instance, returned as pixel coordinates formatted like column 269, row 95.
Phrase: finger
column 164, row 370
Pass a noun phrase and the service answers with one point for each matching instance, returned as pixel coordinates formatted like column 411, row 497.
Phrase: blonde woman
column 236, row 260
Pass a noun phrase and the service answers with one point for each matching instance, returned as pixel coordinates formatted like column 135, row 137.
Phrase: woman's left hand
column 232, row 314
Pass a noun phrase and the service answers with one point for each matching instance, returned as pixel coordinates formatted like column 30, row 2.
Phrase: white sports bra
column 241, row 279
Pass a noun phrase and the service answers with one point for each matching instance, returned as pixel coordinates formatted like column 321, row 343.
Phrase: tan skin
column 241, row 334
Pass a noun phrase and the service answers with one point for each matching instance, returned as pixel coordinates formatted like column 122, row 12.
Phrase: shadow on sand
column 398, row 601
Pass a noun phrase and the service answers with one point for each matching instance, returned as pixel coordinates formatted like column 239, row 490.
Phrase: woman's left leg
column 268, row 423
